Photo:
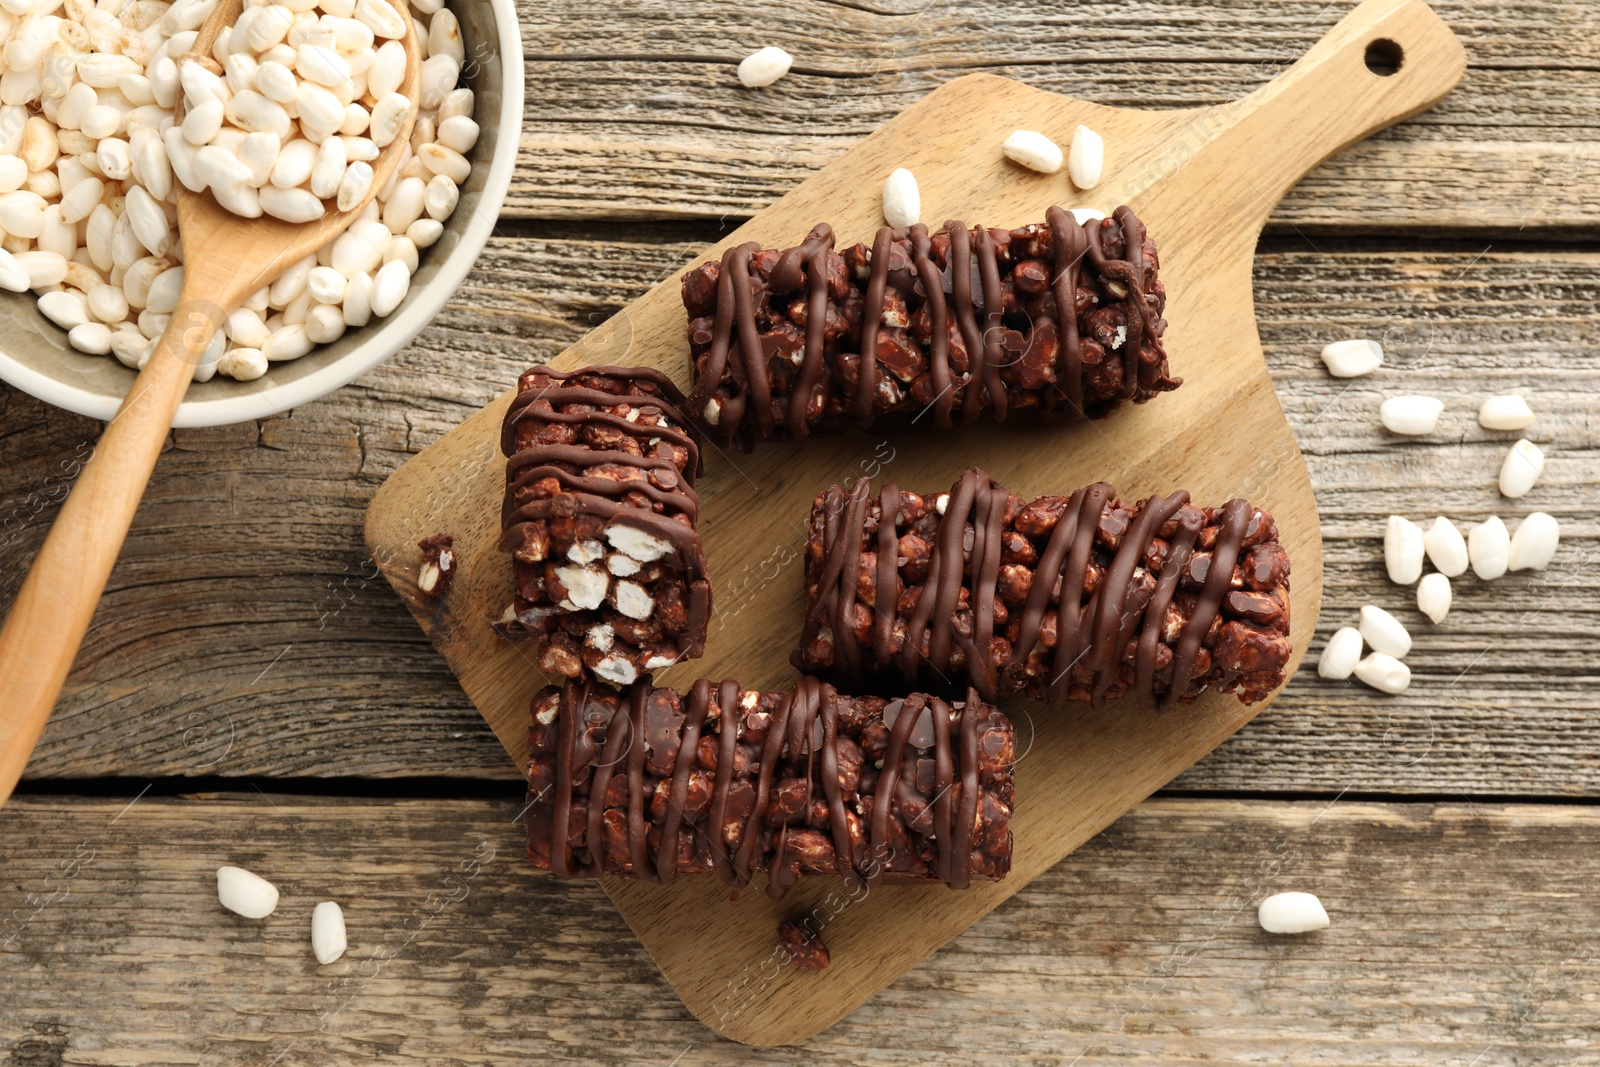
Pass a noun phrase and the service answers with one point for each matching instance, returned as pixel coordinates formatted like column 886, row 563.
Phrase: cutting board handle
column 1384, row 62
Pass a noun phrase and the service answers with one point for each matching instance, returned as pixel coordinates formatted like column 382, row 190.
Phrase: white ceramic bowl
column 35, row 357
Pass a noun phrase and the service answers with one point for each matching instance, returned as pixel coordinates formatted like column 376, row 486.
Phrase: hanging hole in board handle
column 1385, row 57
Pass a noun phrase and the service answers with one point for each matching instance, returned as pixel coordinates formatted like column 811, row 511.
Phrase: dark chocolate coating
column 800, row 782
column 948, row 324
column 1080, row 598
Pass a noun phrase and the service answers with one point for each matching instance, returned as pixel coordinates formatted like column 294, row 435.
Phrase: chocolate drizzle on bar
column 661, row 478
column 1080, row 598
column 800, row 782
column 954, row 322
column 589, row 451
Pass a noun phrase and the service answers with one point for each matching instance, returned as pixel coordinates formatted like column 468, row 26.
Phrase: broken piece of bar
column 599, row 519
column 1080, row 598
column 650, row 785
column 926, row 326
column 438, row 567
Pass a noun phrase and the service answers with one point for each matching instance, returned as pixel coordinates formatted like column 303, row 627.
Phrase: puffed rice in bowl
column 35, row 353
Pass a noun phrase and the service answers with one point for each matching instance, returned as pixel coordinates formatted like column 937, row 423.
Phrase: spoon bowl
column 227, row 257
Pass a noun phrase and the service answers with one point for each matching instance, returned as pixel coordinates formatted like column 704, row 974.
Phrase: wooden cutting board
column 1204, row 181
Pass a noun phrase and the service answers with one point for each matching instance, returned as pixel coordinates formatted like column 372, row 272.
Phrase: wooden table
column 251, row 693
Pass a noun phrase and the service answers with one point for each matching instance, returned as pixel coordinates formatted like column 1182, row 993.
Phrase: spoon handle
column 52, row 612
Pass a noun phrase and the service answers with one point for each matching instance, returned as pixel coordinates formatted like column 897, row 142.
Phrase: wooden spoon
column 225, row 259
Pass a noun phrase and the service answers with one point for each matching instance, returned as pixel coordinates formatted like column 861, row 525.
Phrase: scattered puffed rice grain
column 43, row 269
column 65, row 309
column 1534, row 544
column 324, row 324
column 219, row 169
column 1509, row 412
column 1521, row 470
column 259, row 152
column 243, row 364
column 108, row 304
column 165, row 289
column 1446, row 547
column 1489, row 547
column 440, row 160
column 1292, row 913
column 1352, row 359
column 1341, row 654
column 1384, row 673
column 246, row 329
column 327, row 932
column 458, row 102
column 1033, row 150
column 355, row 185
column 276, row 82
column 1384, row 633
column 902, row 203
column 389, row 287
column 13, row 173
column 1086, row 158
column 286, row 343
column 358, row 299
column 246, row 894
column 327, row 171
column 326, row 284
column 424, row 232
column 1411, row 415
column 405, row 205
column 458, row 133
column 114, row 158
column 761, row 68
column 381, row 18
column 400, row 248
column 388, row 70
column 291, row 205
column 387, row 116
column 90, row 338
column 442, row 195
column 128, row 346
column 200, row 124
column 1403, row 550
column 1433, row 597
column 82, row 198
column 149, row 221
column 439, row 75
column 360, row 149
column 12, row 277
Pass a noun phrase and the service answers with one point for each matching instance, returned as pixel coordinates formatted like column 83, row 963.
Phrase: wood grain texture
column 1203, row 181
column 1460, row 931
column 644, row 117
column 243, row 637
column 187, row 629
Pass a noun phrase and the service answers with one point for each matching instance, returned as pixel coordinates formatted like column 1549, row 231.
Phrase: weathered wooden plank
column 244, row 634
column 1461, row 934
column 638, row 112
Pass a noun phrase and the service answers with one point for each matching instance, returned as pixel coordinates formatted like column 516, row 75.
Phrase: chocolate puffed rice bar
column 1080, row 598
column 599, row 519
column 933, row 326
column 652, row 785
